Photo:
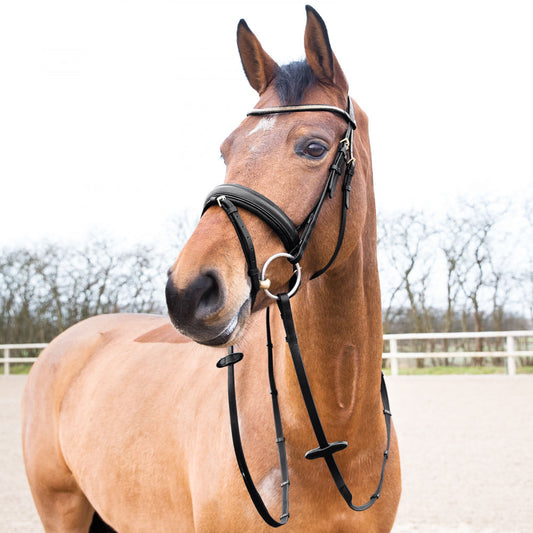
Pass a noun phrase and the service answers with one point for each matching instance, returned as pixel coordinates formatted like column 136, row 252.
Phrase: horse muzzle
column 202, row 311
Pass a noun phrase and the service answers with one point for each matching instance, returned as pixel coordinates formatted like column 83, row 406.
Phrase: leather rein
column 295, row 239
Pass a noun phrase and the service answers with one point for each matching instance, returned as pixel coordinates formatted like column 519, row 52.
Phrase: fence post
column 393, row 343
column 6, row 361
column 510, row 348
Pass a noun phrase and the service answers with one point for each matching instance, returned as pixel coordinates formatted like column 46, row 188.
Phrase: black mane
column 292, row 81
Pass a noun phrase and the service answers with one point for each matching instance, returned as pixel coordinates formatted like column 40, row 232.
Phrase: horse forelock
column 292, row 81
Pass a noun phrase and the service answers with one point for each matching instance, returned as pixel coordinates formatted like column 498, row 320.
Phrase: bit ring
column 264, row 283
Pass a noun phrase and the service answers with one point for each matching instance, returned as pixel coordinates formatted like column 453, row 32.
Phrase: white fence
column 394, row 354
column 510, row 352
column 7, row 360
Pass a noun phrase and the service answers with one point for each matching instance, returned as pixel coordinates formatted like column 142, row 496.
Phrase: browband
column 302, row 108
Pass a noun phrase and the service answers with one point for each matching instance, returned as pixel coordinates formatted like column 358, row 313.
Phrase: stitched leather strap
column 230, row 361
column 303, row 108
column 346, row 188
column 260, row 206
column 247, row 244
column 327, row 449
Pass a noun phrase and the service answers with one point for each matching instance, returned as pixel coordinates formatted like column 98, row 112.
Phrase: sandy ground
column 466, row 447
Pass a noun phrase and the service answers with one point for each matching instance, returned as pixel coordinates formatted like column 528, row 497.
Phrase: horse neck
column 338, row 322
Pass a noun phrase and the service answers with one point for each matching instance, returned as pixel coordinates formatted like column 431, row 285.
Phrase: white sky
column 112, row 112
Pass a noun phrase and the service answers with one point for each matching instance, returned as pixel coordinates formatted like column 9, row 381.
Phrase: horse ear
column 259, row 67
column 319, row 54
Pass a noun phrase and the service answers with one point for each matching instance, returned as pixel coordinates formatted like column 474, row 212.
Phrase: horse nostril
column 209, row 294
column 202, row 298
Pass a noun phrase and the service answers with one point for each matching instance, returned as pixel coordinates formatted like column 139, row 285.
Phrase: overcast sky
column 112, row 112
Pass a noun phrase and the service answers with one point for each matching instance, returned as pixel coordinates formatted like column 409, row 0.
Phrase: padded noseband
column 260, row 206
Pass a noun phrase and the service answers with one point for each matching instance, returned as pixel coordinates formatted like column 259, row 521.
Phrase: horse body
column 125, row 416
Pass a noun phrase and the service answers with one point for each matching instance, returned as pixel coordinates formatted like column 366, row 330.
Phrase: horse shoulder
column 133, row 367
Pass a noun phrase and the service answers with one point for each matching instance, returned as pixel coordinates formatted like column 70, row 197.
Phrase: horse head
column 285, row 157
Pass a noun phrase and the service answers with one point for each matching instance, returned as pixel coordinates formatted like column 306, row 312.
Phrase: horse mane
column 292, row 80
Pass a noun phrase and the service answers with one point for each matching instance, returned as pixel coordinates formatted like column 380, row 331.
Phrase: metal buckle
column 264, row 283
column 220, row 199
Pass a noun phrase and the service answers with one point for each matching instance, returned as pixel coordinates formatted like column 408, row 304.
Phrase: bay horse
column 125, row 422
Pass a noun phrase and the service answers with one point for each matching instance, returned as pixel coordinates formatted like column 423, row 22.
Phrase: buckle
column 347, row 141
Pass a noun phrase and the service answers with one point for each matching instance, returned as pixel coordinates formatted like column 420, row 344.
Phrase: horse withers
column 125, row 418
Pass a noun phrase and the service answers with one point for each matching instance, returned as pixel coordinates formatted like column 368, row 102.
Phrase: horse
column 124, row 417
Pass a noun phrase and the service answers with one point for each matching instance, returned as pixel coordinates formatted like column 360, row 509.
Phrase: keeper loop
column 230, row 359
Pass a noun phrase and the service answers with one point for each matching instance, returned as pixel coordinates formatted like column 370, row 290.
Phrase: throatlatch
column 295, row 239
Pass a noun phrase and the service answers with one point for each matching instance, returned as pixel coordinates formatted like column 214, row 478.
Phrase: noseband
column 295, row 239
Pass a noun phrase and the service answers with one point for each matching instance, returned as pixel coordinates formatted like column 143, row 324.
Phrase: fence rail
column 7, row 360
column 510, row 353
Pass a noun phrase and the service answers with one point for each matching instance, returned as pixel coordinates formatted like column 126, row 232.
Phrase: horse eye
column 315, row 150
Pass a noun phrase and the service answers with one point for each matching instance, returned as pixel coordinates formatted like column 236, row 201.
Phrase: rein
column 295, row 239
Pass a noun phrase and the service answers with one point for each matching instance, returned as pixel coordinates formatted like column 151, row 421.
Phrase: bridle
column 230, row 196
column 295, row 239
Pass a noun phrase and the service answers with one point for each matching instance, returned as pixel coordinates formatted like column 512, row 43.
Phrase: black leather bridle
column 295, row 239
column 230, row 196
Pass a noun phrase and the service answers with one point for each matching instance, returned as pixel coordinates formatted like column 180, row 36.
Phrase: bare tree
column 454, row 242
column 472, row 265
column 407, row 251
column 180, row 228
column 45, row 290
column 523, row 277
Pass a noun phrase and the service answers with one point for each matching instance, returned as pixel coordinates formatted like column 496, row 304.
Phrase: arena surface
column 466, row 445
